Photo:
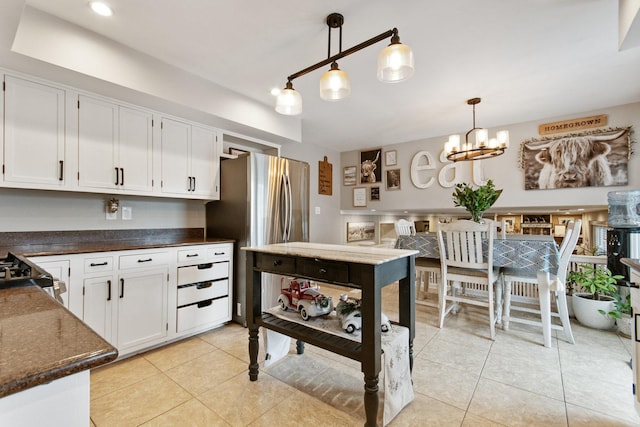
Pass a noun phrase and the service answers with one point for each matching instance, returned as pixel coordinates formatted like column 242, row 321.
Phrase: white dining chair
column 547, row 285
column 427, row 269
column 464, row 261
column 405, row 227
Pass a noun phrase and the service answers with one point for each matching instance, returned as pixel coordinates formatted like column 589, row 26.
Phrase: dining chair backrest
column 567, row 246
column 405, row 228
column 466, row 244
column 502, row 225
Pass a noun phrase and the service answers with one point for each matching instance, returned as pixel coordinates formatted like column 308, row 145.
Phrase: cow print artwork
column 590, row 159
column 370, row 167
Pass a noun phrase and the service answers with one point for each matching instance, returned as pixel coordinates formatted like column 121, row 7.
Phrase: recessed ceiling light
column 101, row 8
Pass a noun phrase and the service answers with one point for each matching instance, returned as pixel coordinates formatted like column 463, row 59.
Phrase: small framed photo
column 390, row 158
column 349, row 175
column 393, row 179
column 371, row 166
column 374, row 194
column 360, row 197
column 357, row 231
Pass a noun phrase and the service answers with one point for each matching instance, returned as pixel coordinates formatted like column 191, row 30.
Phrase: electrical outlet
column 127, row 213
column 238, row 309
column 317, row 210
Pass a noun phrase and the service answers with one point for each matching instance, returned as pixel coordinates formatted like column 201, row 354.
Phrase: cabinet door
column 204, row 162
column 99, row 294
column 135, row 149
column 59, row 270
column 34, row 133
column 175, row 156
column 97, row 126
column 142, row 307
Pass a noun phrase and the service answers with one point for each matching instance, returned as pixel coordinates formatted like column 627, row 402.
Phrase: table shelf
column 326, row 340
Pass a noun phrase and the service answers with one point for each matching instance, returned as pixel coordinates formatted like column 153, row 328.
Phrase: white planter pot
column 586, row 311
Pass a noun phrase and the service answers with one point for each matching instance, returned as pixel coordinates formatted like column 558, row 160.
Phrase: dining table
column 531, row 253
column 528, row 252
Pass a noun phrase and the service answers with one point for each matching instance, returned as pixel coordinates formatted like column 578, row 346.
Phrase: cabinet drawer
column 203, row 272
column 96, row 265
column 144, row 260
column 206, row 312
column 204, row 253
column 325, row 270
column 195, row 292
column 276, row 263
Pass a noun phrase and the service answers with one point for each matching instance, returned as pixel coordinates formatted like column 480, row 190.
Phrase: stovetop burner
column 16, row 270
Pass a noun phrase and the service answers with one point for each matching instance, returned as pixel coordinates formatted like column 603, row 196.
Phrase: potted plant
column 476, row 201
column 591, row 307
column 621, row 313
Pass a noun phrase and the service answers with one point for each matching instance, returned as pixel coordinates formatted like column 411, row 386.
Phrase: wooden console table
column 364, row 268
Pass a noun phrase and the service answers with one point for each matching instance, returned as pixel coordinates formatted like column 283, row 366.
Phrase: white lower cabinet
column 140, row 299
column 141, row 308
column 204, row 287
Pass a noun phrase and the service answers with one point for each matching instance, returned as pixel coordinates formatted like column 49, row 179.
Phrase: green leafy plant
column 622, row 306
column 476, row 201
column 597, row 280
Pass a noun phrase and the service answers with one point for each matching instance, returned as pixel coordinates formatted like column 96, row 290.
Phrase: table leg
column 371, row 400
column 253, row 353
column 299, row 347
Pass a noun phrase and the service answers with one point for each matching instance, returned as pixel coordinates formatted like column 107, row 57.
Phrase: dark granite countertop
column 32, row 244
column 41, row 341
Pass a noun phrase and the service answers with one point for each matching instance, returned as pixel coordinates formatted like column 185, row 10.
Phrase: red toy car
column 305, row 298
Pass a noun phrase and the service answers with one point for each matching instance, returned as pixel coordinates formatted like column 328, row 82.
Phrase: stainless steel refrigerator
column 264, row 199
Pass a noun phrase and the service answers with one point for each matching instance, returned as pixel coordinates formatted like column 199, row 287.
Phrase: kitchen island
column 367, row 269
column 45, row 356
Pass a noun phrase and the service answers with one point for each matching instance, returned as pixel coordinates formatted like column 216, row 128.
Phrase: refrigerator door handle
column 290, row 209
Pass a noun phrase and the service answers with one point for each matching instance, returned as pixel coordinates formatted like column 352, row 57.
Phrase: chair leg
column 499, row 299
column 563, row 311
column 442, row 301
column 506, row 310
column 492, row 319
column 545, row 312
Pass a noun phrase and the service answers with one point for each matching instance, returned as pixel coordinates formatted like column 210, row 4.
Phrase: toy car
column 348, row 312
column 305, row 298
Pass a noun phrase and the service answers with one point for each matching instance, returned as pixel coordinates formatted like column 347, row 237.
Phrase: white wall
column 504, row 170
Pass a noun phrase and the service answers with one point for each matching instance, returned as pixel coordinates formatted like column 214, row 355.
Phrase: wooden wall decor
column 325, row 177
column 573, row 125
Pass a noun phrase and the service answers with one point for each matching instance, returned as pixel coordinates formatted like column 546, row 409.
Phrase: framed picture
column 588, row 159
column 357, row 231
column 393, row 179
column 374, row 194
column 370, row 166
column 360, row 197
column 390, row 158
column 510, row 222
column 349, row 175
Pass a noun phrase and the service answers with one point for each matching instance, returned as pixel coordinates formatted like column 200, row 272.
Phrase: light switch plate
column 127, row 213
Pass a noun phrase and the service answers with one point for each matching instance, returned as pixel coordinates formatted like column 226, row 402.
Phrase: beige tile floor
column 461, row 378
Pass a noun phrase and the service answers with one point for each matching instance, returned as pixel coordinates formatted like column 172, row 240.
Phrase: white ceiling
column 527, row 60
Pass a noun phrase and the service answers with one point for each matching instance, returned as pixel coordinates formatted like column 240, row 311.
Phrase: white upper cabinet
column 190, row 161
column 115, row 146
column 34, row 145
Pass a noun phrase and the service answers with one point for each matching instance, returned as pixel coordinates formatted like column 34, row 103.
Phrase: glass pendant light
column 395, row 62
column 334, row 84
column 289, row 101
